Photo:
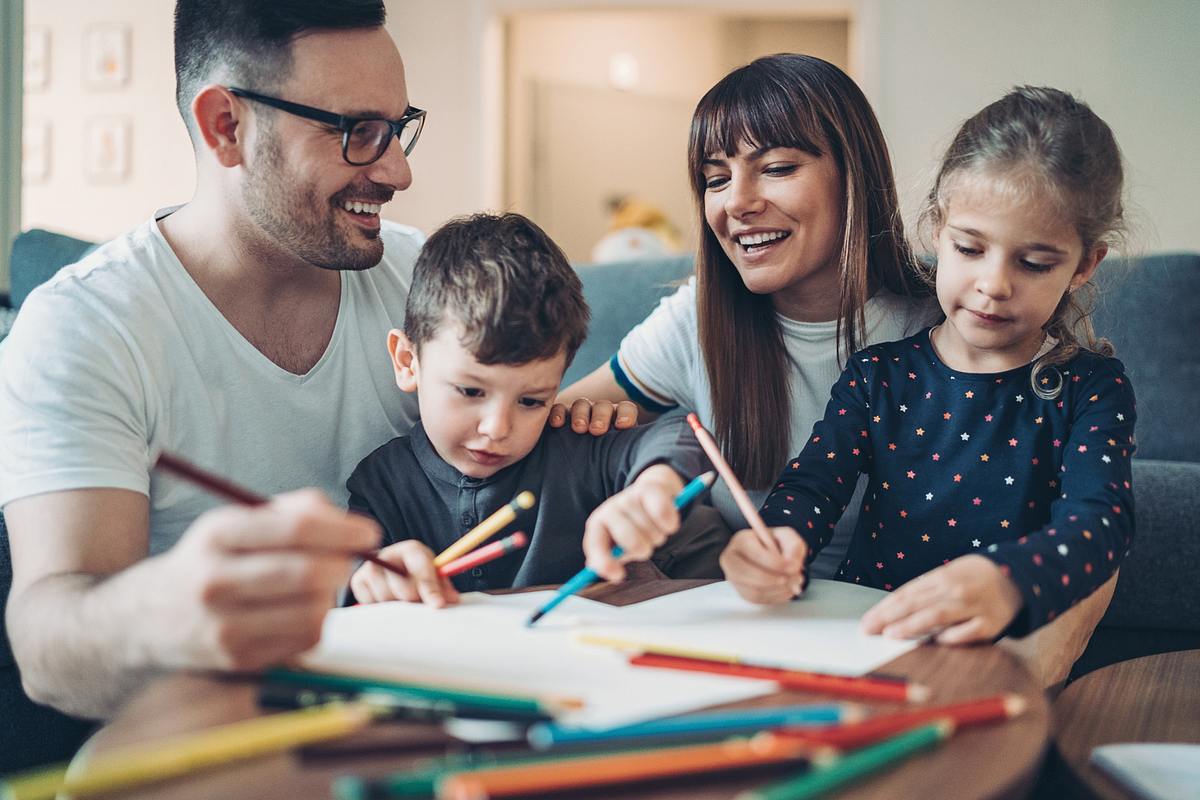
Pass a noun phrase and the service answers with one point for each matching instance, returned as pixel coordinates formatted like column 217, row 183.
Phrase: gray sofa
column 1150, row 311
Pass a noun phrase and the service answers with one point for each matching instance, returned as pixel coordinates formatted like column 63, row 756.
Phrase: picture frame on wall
column 37, row 58
column 35, row 151
column 107, row 149
column 106, row 54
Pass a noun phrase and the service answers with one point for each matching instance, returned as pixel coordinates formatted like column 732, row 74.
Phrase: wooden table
column 994, row 761
column 1151, row 699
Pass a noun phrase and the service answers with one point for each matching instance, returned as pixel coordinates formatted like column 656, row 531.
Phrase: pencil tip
column 529, row 623
column 525, row 500
column 694, row 421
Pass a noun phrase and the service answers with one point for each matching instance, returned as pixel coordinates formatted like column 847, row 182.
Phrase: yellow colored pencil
column 486, row 529
column 630, row 646
column 150, row 763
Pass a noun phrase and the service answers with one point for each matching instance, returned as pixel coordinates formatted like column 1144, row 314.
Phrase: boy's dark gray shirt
column 414, row 494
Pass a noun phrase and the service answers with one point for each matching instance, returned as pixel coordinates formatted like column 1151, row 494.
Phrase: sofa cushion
column 1148, row 308
column 37, row 255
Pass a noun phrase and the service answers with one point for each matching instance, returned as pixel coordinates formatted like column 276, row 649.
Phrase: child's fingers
column 598, row 545
column 792, row 547
column 754, row 583
column 926, row 620
column 901, row 603
column 661, row 513
column 975, row 629
column 360, row 586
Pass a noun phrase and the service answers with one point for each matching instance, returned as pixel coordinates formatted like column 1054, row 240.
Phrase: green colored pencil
column 469, row 704
column 825, row 777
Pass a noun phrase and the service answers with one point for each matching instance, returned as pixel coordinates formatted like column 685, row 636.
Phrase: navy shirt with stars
column 964, row 463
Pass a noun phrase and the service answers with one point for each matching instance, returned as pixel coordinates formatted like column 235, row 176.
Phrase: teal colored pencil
column 587, row 576
column 825, row 777
column 712, row 724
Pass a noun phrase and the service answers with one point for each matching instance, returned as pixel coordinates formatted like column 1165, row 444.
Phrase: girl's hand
column 968, row 600
column 373, row 584
column 639, row 519
column 763, row 575
column 595, row 418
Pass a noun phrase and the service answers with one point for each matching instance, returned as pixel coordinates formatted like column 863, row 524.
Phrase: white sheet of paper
column 484, row 644
column 818, row 633
column 1159, row 771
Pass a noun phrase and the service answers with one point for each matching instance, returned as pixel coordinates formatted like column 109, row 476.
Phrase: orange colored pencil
column 626, row 767
column 484, row 554
column 853, row 735
column 744, row 503
column 862, row 687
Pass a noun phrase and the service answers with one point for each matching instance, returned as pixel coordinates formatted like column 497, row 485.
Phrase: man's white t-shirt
column 121, row 356
column 661, row 359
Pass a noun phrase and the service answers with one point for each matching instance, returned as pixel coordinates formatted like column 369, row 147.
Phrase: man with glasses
column 245, row 332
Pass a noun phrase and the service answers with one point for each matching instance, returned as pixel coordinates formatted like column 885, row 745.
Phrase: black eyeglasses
column 364, row 140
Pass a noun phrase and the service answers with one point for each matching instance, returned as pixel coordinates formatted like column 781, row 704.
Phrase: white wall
column 1136, row 63
column 161, row 166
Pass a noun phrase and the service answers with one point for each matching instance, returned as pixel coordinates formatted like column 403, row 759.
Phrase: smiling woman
column 802, row 257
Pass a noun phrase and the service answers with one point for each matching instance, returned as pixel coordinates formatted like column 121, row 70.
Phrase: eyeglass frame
column 341, row 122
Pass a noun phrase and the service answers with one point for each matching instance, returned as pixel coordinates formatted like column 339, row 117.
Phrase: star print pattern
column 1043, row 488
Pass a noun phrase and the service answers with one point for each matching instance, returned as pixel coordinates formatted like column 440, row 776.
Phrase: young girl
column 997, row 445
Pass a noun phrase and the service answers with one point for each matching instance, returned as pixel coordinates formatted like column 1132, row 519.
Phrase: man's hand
column 639, row 519
column 595, row 418
column 247, row 588
column 421, row 582
column 968, row 600
column 764, row 575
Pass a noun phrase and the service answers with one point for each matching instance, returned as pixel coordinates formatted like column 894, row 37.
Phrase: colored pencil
column 486, row 529
column 484, row 554
column 392, row 705
column 468, row 703
column 869, row 731
column 587, row 576
column 744, row 503
column 827, row 776
column 616, row 768
column 709, row 724
column 228, row 490
column 864, row 687
column 150, row 763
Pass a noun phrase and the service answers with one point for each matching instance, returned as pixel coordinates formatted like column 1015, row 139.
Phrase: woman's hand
column 638, row 519
column 373, row 584
column 595, row 418
column 762, row 574
column 968, row 600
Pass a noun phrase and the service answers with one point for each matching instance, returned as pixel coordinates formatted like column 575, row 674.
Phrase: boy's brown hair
column 505, row 282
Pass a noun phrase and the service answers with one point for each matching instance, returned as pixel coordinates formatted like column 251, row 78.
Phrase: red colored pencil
column 851, row 735
column 228, row 490
column 484, row 554
column 846, row 686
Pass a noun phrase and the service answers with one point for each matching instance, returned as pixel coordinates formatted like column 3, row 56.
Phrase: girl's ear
column 1087, row 266
column 404, row 360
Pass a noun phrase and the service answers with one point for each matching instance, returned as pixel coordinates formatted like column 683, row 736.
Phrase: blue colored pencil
column 587, row 576
column 712, row 724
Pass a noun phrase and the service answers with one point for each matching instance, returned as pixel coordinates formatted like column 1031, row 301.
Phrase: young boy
column 494, row 317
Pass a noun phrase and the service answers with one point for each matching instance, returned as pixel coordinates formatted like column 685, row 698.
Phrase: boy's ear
column 404, row 360
column 1087, row 266
column 220, row 123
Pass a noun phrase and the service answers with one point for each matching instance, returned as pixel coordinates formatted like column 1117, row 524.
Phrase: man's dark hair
column 505, row 282
column 248, row 42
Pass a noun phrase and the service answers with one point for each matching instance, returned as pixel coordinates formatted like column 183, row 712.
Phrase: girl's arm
column 1091, row 524
column 814, row 488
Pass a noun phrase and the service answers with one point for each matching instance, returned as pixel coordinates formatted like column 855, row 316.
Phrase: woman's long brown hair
column 805, row 103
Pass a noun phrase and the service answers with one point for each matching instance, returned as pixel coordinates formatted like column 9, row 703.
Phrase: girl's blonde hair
column 1055, row 147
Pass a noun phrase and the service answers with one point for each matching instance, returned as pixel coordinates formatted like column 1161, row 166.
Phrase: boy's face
column 480, row 418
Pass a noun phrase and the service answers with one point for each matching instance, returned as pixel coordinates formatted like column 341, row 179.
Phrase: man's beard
column 289, row 211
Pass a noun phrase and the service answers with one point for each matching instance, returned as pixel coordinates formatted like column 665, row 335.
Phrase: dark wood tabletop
column 999, row 760
column 1151, row 699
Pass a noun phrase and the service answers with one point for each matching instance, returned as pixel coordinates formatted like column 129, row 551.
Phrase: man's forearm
column 78, row 640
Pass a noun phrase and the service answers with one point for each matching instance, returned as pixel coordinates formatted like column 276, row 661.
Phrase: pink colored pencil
column 735, row 486
column 484, row 554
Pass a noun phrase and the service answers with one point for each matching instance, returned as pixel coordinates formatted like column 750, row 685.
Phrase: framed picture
column 35, row 151
column 37, row 58
column 106, row 149
column 106, row 56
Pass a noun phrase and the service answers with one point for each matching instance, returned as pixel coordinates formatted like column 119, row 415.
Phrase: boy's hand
column 765, row 576
column 373, row 584
column 968, row 600
column 639, row 519
column 595, row 418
